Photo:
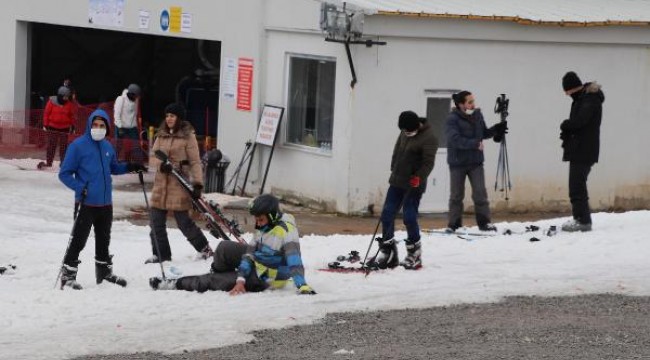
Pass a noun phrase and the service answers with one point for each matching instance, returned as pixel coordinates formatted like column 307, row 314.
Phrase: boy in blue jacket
column 87, row 168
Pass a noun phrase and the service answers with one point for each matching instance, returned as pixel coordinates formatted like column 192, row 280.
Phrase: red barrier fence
column 22, row 135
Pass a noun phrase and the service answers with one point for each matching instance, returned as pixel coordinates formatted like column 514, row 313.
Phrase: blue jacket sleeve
column 67, row 173
column 294, row 262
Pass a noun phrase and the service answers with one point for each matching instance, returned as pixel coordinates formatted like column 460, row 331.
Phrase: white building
column 335, row 141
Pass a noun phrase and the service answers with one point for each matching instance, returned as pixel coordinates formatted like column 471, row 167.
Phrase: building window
column 438, row 108
column 310, row 113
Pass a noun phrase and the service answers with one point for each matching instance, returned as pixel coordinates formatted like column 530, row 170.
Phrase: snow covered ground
column 38, row 322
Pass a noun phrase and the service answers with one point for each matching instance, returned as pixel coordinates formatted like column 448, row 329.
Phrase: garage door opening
column 101, row 63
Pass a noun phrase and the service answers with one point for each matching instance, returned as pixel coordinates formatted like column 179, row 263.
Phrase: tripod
column 502, row 181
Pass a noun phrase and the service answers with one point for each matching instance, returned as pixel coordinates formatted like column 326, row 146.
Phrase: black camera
column 501, row 105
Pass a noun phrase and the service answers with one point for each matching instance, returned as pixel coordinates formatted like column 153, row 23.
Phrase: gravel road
column 580, row 327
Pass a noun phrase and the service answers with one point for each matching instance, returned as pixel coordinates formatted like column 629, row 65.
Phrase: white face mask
column 469, row 111
column 97, row 134
column 410, row 133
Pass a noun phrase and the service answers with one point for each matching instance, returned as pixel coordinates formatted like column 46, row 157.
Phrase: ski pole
column 235, row 175
column 153, row 231
column 74, row 227
column 408, row 192
column 371, row 240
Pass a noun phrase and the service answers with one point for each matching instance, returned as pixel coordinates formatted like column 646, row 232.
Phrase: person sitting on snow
column 268, row 262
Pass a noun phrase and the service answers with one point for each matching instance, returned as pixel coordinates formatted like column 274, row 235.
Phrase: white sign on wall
column 269, row 123
column 143, row 22
column 229, row 82
column 106, row 12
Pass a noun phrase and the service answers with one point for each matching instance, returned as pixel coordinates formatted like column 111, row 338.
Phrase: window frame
column 286, row 125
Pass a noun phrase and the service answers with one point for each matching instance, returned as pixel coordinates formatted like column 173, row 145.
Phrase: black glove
column 500, row 128
column 166, row 168
column 135, row 167
column 196, row 193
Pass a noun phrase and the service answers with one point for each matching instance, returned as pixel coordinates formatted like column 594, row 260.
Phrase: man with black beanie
column 412, row 162
column 580, row 135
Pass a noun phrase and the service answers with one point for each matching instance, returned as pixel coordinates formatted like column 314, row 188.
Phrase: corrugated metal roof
column 531, row 12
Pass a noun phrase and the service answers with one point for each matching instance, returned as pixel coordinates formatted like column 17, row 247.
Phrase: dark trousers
column 476, row 176
column 101, row 219
column 223, row 273
column 159, row 232
column 127, row 141
column 578, row 174
column 409, row 201
column 56, row 137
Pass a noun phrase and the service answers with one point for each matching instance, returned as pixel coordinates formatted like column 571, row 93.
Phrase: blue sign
column 164, row 20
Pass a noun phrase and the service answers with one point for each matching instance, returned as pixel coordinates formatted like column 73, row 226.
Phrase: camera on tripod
column 501, row 105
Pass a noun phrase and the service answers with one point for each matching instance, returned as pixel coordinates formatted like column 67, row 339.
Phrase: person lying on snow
column 268, row 262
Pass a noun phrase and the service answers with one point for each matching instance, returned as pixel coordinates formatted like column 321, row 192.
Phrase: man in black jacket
column 580, row 135
column 413, row 159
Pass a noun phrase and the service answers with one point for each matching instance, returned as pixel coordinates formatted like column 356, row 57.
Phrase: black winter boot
column 157, row 283
column 69, row 276
column 387, row 256
column 104, row 271
column 413, row 260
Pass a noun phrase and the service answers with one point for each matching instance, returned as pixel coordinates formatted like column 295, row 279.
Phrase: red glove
column 414, row 181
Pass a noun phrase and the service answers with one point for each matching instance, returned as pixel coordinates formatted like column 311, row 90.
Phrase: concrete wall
column 488, row 58
column 526, row 63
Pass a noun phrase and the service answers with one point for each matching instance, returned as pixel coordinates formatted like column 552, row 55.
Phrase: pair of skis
column 471, row 236
column 219, row 226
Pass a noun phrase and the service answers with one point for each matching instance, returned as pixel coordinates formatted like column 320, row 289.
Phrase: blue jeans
column 409, row 201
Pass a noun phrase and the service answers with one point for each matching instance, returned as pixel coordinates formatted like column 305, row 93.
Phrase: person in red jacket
column 58, row 122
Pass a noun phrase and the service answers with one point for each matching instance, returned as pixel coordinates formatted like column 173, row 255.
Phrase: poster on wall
column 186, row 23
column 229, row 79
column 269, row 123
column 106, row 12
column 244, row 84
column 143, row 20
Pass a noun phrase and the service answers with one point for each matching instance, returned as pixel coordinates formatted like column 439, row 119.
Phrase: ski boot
column 352, row 257
column 205, row 254
column 104, row 271
column 154, row 260
column 574, row 225
column 413, row 260
column 387, row 257
column 157, row 283
column 69, row 277
column 7, row 270
column 42, row 165
column 487, row 227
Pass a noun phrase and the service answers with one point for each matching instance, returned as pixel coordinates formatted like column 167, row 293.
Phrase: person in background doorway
column 580, row 135
column 59, row 120
column 413, row 159
column 127, row 122
column 465, row 130
column 175, row 137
